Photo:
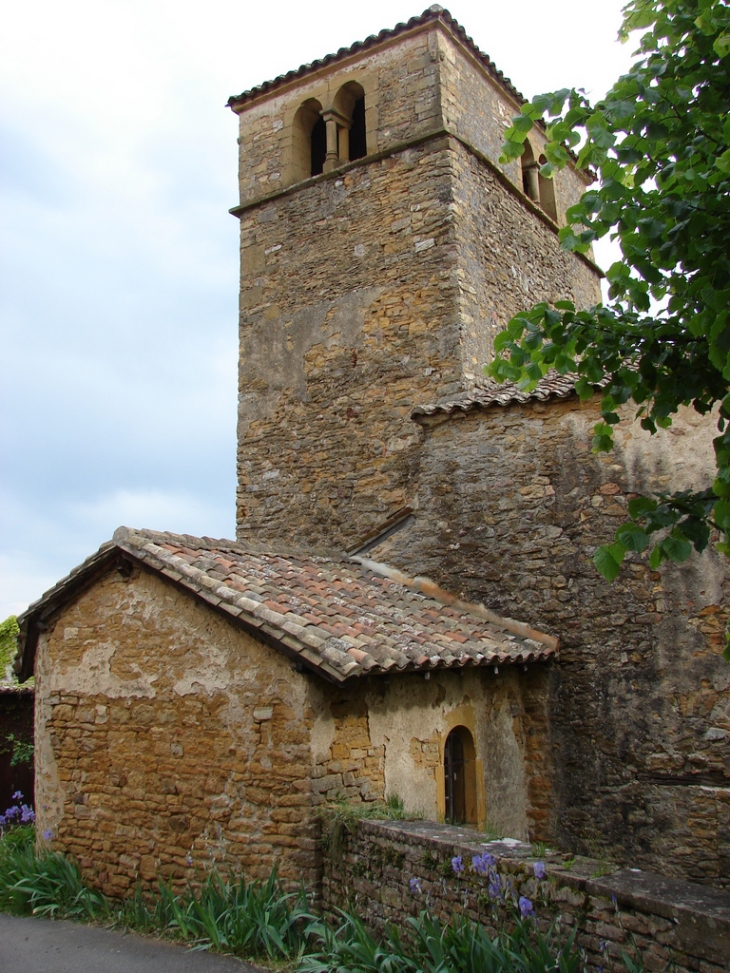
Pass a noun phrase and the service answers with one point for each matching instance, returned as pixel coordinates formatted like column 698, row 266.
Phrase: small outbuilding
column 197, row 700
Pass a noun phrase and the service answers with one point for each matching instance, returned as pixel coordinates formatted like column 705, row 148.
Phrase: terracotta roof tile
column 433, row 13
column 341, row 616
column 553, row 386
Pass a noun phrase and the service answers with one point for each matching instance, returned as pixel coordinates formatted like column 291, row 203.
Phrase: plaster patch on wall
column 506, row 796
column 397, row 720
column 210, row 679
column 93, row 676
column 322, row 737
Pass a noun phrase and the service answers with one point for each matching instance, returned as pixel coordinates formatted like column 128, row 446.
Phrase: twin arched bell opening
column 325, row 138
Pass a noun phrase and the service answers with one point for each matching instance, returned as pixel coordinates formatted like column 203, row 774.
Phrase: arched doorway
column 460, row 785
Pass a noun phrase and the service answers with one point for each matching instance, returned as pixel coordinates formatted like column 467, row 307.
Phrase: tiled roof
column 339, row 616
column 433, row 13
column 553, row 386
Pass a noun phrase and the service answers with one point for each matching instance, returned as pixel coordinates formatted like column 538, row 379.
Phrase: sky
column 119, row 259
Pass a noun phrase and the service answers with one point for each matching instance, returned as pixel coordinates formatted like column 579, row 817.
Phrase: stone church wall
column 348, row 310
column 508, row 260
column 478, row 110
column 168, row 739
column 362, row 296
column 511, row 506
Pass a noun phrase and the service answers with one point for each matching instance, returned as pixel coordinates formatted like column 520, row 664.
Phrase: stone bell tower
column 382, row 248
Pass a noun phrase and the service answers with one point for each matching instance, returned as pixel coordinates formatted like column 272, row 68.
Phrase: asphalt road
column 56, row 946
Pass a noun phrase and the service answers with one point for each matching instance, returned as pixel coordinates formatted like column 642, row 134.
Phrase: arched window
column 308, row 141
column 539, row 189
column 547, row 192
column 460, row 783
column 349, row 110
column 530, row 174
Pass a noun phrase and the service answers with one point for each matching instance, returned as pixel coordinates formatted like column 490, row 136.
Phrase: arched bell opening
column 547, row 192
column 460, row 782
column 309, row 141
column 349, row 114
column 530, row 174
column 318, row 147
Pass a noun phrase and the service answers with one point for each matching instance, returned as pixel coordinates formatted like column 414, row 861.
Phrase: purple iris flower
column 495, row 886
column 539, row 870
column 483, row 863
column 525, row 907
column 457, row 865
column 415, row 885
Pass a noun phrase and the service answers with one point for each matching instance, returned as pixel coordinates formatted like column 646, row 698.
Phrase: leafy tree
column 8, row 646
column 659, row 143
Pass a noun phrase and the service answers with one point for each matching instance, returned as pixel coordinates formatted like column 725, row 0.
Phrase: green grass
column 348, row 812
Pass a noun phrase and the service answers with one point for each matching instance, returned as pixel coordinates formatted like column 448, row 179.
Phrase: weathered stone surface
column 674, row 924
column 180, row 773
column 213, row 748
column 379, row 285
column 511, row 506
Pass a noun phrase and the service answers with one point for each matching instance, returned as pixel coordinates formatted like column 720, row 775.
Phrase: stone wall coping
column 674, row 899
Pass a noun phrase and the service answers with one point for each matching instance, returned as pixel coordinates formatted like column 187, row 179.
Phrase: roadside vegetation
column 260, row 921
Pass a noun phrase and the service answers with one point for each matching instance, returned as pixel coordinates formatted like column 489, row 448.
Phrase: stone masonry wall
column 402, row 102
column 169, row 739
column 677, row 926
column 508, row 260
column 512, row 504
column 348, row 312
column 360, row 297
column 478, row 110
column 385, row 737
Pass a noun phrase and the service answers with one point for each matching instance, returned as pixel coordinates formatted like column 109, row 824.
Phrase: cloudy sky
column 119, row 258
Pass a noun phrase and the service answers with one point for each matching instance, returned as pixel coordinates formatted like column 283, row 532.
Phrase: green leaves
column 660, row 144
column 608, row 560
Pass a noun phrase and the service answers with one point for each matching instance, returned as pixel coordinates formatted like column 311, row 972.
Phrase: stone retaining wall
column 675, row 925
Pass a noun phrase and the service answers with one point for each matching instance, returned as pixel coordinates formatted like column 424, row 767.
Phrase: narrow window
column 460, row 785
column 539, row 189
column 319, row 147
column 349, row 116
column 358, row 142
column 530, row 174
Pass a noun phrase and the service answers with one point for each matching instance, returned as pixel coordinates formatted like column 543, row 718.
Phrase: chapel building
column 410, row 607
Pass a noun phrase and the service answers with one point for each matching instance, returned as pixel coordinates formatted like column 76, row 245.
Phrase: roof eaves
column 126, row 544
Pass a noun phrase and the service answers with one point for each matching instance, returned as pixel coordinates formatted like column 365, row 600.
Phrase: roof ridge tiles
column 435, row 13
